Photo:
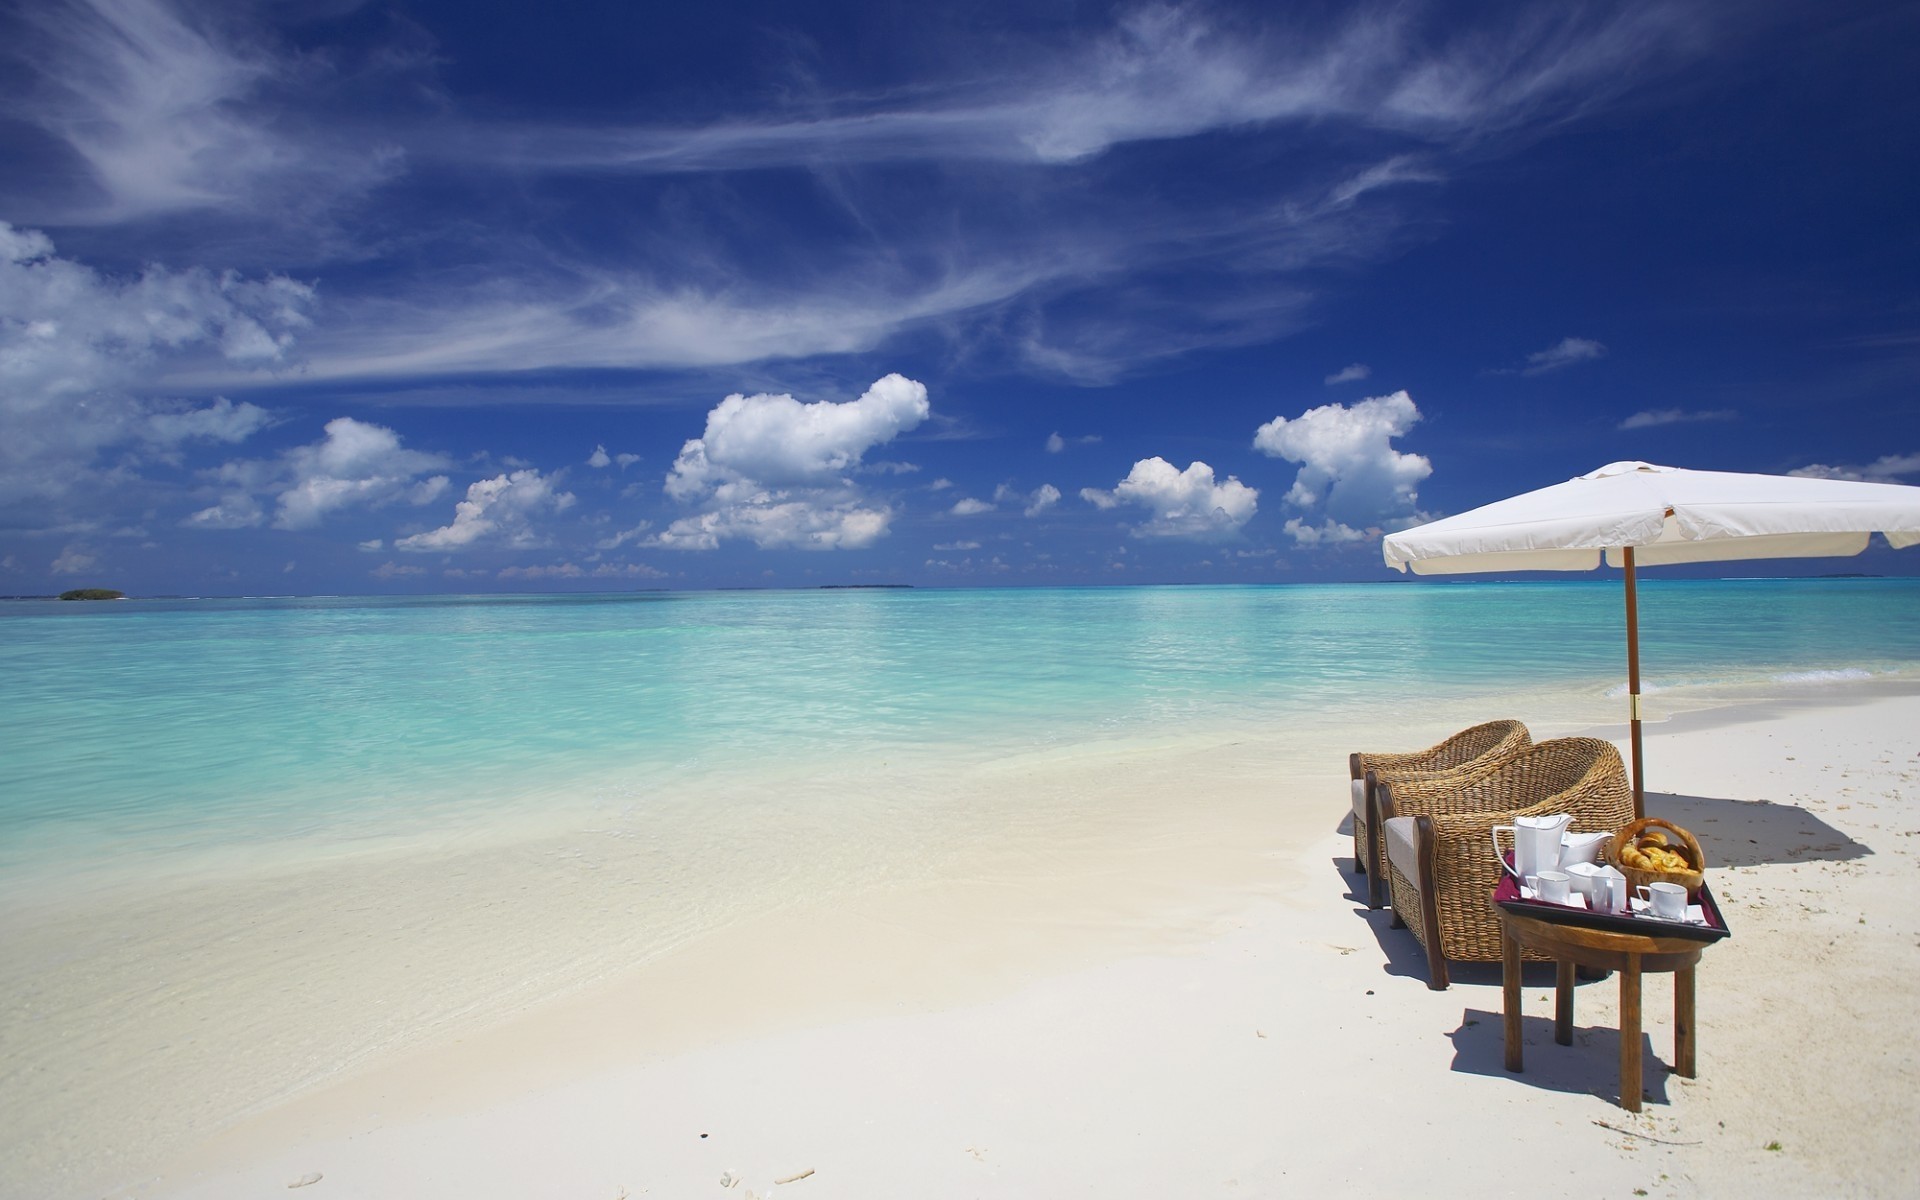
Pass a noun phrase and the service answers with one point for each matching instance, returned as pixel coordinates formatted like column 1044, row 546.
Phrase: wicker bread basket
column 1678, row 840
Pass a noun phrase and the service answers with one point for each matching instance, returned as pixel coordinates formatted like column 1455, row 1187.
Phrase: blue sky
column 327, row 297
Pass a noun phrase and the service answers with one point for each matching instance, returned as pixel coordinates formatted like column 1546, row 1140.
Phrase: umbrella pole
column 1633, row 683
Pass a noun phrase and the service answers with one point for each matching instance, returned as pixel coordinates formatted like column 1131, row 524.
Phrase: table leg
column 1563, row 1001
column 1683, row 1021
column 1510, row 996
column 1630, row 1034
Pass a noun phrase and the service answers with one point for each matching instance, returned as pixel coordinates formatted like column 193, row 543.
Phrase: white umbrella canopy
column 1638, row 514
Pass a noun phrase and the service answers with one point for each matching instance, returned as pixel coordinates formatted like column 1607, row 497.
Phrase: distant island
column 93, row 594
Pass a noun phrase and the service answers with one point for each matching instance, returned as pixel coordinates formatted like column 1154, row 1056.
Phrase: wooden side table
column 1630, row 955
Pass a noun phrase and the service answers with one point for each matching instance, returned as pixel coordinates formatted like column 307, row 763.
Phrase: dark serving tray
column 1507, row 896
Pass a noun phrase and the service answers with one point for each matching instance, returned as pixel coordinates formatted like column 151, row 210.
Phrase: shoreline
column 1061, row 911
column 1259, row 1046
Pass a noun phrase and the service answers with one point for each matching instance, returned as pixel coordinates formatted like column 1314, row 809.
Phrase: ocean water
column 141, row 732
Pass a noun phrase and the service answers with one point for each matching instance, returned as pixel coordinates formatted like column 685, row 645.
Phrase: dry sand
column 1240, row 1026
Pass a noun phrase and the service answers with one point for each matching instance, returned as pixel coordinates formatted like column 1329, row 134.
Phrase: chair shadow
column 1747, row 833
column 1590, row 1066
column 1404, row 957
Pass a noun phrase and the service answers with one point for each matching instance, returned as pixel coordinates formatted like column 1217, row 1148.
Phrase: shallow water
column 148, row 730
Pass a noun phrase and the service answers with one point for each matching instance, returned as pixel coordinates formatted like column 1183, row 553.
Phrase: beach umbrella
column 1635, row 514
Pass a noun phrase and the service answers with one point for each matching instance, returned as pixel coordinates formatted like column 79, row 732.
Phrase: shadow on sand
column 1590, row 1066
column 1747, row 833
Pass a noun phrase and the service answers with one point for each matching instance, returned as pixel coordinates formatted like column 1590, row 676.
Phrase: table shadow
column 1591, row 1066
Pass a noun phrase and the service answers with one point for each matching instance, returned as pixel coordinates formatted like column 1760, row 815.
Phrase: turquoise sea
column 141, row 729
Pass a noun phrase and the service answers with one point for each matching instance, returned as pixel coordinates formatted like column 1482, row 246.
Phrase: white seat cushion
column 1400, row 849
column 1360, row 799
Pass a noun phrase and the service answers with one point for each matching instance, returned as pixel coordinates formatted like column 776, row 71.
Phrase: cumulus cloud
column 1327, row 533
column 1888, row 468
column 235, row 510
column 1563, row 353
column 967, row 506
column 1349, row 374
column 498, row 511
column 77, row 350
column 1653, row 417
column 627, row 571
column 1041, row 499
column 1347, row 461
column 1181, row 504
column 1056, row 443
column 559, row 570
column 777, row 472
column 73, row 560
column 394, row 570
column 357, row 464
column 599, row 458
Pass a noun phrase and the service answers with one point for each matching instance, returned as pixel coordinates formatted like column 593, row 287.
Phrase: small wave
column 1843, row 675
column 1619, row 690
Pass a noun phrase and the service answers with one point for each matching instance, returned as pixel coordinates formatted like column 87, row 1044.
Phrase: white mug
column 1553, row 886
column 1668, row 900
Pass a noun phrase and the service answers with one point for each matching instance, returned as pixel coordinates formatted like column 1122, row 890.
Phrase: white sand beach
column 1157, row 1008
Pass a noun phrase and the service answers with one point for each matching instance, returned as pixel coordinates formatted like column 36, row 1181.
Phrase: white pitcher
column 1581, row 848
column 1536, row 843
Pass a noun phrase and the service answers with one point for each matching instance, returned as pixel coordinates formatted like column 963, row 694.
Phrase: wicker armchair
column 1461, row 759
column 1440, row 859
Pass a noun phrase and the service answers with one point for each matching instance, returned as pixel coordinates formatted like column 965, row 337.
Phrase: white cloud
column 1653, row 417
column 235, row 510
column 623, row 537
column 393, row 570
column 357, row 464
column 560, row 570
column 627, row 571
column 1564, row 353
column 626, row 460
column 1347, row 460
column 498, row 510
column 1888, row 468
column 1183, row 504
column 1327, row 533
column 956, row 545
column 967, row 506
column 1041, row 499
column 1349, row 374
column 777, row 472
column 599, row 458
column 168, row 113
column 77, row 349
column 73, row 560
column 1057, row 443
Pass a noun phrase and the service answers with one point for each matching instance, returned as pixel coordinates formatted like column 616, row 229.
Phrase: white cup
column 1555, row 886
column 1668, row 900
column 1613, row 885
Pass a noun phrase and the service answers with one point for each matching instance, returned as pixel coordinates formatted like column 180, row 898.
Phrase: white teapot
column 1536, row 843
